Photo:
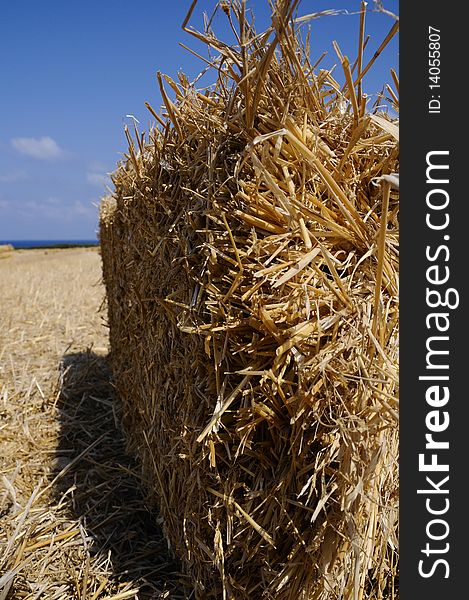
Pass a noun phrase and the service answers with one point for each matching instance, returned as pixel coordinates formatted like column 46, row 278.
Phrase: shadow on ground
column 101, row 484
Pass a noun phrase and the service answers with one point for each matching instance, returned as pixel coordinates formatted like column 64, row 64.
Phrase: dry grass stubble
column 73, row 522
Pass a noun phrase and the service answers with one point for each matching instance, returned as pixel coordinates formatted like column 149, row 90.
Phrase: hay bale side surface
column 250, row 256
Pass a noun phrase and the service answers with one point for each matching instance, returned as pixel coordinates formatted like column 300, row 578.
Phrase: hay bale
column 6, row 249
column 250, row 256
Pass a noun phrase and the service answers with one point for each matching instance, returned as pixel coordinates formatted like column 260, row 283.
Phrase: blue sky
column 72, row 71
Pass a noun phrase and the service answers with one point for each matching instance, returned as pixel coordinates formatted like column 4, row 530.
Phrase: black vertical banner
column 434, row 421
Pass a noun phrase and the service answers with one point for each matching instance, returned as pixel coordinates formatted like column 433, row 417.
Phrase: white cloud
column 44, row 148
column 53, row 200
column 13, row 177
column 96, row 166
column 51, row 208
column 5, row 204
column 84, row 209
column 98, row 179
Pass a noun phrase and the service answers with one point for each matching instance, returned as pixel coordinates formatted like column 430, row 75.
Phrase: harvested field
column 73, row 521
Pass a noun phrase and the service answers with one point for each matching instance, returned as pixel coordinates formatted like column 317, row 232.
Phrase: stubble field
column 73, row 520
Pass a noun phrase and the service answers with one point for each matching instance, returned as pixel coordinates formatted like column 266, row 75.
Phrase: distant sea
column 49, row 243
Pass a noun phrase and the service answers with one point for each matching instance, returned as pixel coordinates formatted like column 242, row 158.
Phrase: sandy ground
column 73, row 520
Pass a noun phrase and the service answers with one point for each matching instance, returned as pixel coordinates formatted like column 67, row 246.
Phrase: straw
column 250, row 257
